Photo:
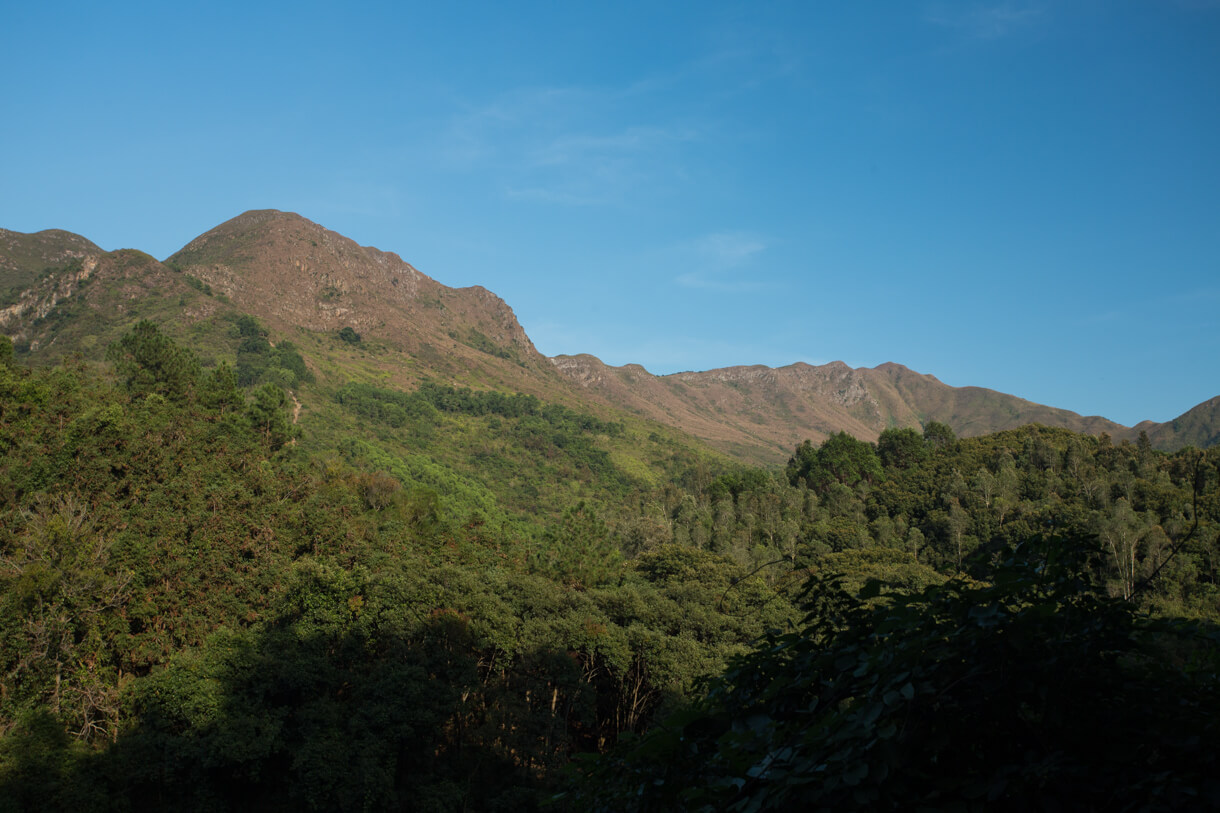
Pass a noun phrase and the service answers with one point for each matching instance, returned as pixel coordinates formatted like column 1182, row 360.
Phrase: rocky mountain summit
column 290, row 271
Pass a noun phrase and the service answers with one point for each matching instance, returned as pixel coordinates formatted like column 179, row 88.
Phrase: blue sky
column 1017, row 195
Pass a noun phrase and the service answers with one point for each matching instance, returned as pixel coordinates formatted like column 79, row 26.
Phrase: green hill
column 286, row 524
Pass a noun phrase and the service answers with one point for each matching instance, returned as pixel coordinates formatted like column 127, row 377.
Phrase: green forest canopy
column 202, row 608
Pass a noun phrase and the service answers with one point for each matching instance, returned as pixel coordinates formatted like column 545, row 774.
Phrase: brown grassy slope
column 293, row 273
column 756, row 413
column 1199, row 427
column 760, row 414
column 910, row 398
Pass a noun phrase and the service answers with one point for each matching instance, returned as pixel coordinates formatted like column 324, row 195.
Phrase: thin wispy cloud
column 585, row 148
column 985, row 22
column 722, row 261
column 712, row 282
column 589, row 145
column 738, row 58
column 481, row 134
column 750, row 61
column 729, row 249
column 564, row 146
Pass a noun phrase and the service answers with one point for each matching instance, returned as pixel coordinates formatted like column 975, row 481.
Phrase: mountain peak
column 47, row 248
column 291, row 272
column 259, row 217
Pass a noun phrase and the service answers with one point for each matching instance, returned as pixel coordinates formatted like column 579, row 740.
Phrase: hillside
column 761, row 413
column 296, row 275
column 1198, row 426
column 277, row 554
column 66, row 295
column 306, row 283
column 437, row 386
column 24, row 258
column 198, row 613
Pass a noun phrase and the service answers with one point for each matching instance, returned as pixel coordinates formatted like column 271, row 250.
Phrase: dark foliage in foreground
column 1031, row 692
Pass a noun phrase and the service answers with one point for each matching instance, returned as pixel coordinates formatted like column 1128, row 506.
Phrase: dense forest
column 460, row 599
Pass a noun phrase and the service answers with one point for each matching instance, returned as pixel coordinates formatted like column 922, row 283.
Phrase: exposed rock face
column 39, row 270
column 36, row 302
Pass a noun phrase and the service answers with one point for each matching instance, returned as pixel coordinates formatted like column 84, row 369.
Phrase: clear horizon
column 1011, row 195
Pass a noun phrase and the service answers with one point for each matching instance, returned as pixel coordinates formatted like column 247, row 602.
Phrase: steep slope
column 66, row 295
column 26, row 257
column 35, row 270
column 304, row 284
column 519, row 460
column 1199, row 427
column 292, row 273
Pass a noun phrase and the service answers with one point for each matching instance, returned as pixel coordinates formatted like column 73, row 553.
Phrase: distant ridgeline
column 435, row 598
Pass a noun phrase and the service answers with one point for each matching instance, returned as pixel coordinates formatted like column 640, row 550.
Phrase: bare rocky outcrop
column 38, row 301
column 39, row 270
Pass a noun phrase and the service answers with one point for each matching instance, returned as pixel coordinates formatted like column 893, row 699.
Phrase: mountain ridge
column 295, row 275
column 782, row 406
column 333, row 275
